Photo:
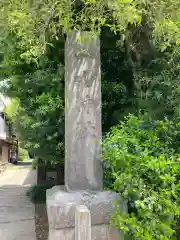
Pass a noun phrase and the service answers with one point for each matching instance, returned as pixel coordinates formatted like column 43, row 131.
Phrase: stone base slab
column 61, row 208
column 99, row 232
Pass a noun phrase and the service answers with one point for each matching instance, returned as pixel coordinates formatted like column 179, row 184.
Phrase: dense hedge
column 142, row 159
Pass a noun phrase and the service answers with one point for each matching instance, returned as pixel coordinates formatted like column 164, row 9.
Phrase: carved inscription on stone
column 86, row 111
column 85, row 130
column 81, row 131
column 88, row 78
column 87, row 105
column 82, row 53
column 77, row 79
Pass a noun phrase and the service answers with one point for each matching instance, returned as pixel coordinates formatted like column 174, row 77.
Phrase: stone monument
column 83, row 169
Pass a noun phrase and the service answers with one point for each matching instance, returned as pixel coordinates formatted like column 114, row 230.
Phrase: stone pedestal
column 83, row 168
column 61, row 207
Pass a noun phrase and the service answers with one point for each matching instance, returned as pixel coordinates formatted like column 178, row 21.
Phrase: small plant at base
column 37, row 193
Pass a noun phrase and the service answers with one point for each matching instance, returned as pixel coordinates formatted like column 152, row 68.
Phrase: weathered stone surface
column 82, row 223
column 98, row 232
column 83, row 168
column 61, row 206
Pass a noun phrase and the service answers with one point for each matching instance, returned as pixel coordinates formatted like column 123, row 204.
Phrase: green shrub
column 34, row 163
column 23, row 154
column 37, row 193
column 143, row 165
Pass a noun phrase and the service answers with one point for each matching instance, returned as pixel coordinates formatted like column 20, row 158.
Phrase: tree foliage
column 140, row 60
column 31, row 20
column 39, row 116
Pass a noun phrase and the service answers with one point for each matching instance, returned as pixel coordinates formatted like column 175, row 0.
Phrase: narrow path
column 17, row 214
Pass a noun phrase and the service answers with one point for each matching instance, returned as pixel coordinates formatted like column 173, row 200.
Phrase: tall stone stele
column 83, row 169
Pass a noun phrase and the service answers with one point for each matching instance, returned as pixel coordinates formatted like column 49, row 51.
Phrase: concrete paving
column 17, row 213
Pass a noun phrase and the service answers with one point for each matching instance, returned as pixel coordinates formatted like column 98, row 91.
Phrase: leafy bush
column 23, row 154
column 37, row 193
column 34, row 163
column 143, row 161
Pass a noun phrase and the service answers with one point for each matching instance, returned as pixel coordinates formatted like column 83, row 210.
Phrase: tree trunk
column 41, row 174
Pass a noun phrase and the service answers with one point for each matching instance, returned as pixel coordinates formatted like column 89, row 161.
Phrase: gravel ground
column 41, row 222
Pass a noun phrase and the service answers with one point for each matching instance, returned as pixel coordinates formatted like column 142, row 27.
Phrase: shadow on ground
column 25, row 164
column 31, row 178
column 41, row 220
column 19, row 218
column 28, row 163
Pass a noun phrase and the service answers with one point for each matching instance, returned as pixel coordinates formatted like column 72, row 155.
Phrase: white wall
column 4, row 131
